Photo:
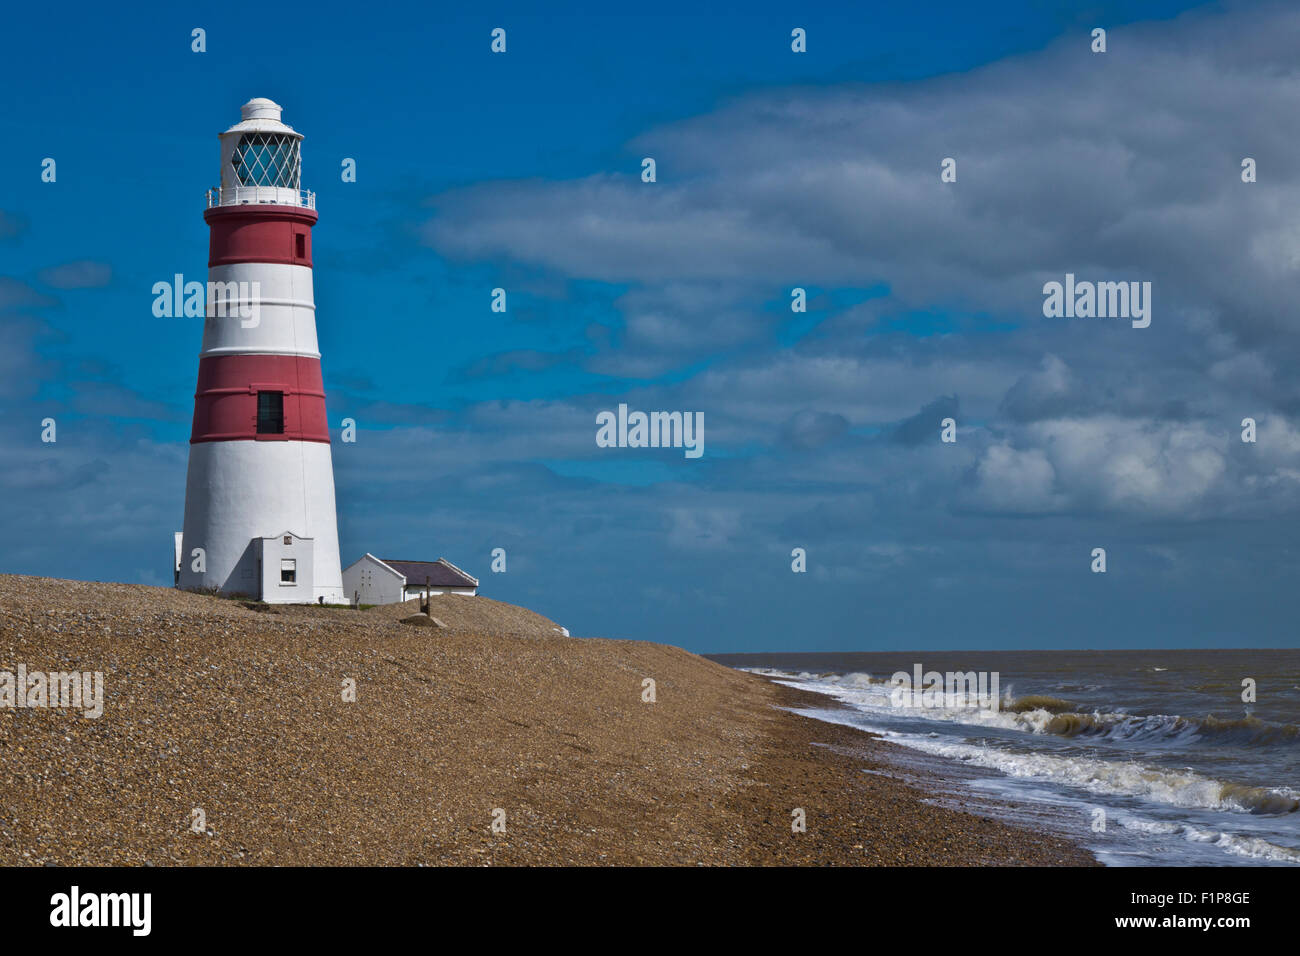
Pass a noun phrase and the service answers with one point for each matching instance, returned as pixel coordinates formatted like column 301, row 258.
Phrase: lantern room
column 261, row 160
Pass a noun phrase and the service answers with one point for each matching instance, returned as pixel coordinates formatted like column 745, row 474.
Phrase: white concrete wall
column 375, row 582
column 284, row 309
column 240, row 490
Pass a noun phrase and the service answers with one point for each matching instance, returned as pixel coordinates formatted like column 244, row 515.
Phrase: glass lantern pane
column 266, row 159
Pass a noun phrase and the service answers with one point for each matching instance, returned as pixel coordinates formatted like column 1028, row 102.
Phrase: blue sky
column 775, row 170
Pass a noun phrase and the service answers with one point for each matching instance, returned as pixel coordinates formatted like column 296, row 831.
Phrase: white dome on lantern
column 260, row 115
column 259, row 107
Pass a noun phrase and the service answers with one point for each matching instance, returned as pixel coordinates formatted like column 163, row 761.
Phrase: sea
column 1147, row 758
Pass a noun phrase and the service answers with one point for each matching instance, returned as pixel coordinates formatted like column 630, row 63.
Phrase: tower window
column 288, row 570
column 300, row 245
column 270, row 413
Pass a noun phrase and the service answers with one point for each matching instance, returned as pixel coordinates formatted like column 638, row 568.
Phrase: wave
column 1126, row 778
column 1251, row 847
column 1248, row 731
column 1043, row 714
column 1053, row 705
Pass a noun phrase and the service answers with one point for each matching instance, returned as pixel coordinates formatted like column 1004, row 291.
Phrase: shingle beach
column 239, row 712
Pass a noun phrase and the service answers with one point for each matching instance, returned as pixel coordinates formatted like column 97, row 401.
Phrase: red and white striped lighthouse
column 259, row 496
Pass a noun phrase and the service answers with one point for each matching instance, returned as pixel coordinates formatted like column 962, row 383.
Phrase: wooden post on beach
column 428, row 598
column 356, row 600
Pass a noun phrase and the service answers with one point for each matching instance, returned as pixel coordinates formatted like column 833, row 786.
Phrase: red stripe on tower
column 226, row 403
column 259, row 234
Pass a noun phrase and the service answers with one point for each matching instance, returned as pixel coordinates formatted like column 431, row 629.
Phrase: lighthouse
column 259, row 495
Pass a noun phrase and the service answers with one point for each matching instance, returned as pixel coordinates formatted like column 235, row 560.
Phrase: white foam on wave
column 861, row 692
column 1250, row 847
column 1124, row 778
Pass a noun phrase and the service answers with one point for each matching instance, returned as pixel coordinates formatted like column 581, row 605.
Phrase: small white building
column 285, row 568
column 369, row 580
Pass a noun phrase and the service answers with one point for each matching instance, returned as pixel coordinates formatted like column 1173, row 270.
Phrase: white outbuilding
column 370, row 580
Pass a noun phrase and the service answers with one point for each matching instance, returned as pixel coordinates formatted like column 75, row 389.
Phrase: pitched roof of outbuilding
column 441, row 573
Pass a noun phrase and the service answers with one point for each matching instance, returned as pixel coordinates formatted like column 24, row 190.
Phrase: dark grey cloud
column 925, row 424
column 113, row 400
column 11, row 225
column 808, row 429
column 514, row 361
column 21, row 366
column 16, row 294
column 81, row 274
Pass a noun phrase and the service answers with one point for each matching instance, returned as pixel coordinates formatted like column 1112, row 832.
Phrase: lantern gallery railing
column 280, row 195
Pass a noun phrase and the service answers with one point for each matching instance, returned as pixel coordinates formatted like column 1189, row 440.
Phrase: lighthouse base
column 242, row 500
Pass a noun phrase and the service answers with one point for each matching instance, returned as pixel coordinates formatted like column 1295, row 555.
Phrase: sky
column 775, row 170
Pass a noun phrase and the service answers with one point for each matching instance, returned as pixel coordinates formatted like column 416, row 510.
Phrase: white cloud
column 1016, row 481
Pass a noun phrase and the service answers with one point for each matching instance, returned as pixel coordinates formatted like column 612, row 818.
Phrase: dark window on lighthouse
column 270, row 413
column 300, row 245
